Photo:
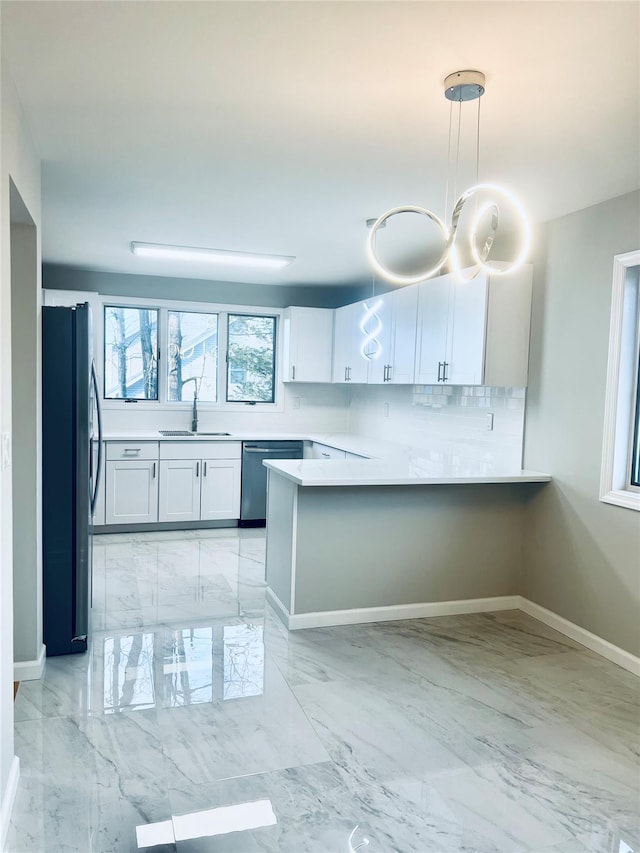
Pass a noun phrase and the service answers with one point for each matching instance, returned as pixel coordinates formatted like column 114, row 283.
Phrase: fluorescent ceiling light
column 210, row 256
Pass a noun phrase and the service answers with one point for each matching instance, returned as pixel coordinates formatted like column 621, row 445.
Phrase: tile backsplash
column 479, row 424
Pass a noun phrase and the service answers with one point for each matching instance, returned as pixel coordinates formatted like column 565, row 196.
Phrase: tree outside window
column 251, row 358
column 130, row 353
column 192, row 356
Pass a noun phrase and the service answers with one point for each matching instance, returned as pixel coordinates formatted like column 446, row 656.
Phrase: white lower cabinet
column 220, row 489
column 131, row 492
column 199, row 482
column 179, row 490
column 324, row 451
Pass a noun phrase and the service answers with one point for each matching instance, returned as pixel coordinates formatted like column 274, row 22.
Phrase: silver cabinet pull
column 132, row 450
column 204, row 469
column 154, row 471
column 445, row 364
column 439, row 370
column 345, row 374
column 293, row 372
column 197, row 469
column 324, row 453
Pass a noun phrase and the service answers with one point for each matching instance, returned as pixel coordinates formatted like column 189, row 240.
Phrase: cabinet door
column 341, row 343
column 220, row 489
column 431, row 340
column 179, row 490
column 131, row 492
column 323, row 451
column 358, row 363
column 403, row 336
column 308, row 344
column 467, row 326
column 381, row 347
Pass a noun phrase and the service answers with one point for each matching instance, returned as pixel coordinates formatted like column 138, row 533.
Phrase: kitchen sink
column 184, row 432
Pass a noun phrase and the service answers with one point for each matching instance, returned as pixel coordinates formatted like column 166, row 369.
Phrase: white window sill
column 622, row 497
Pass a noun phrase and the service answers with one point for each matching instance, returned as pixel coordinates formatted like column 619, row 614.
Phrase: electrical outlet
column 489, row 422
column 296, row 402
column 386, row 410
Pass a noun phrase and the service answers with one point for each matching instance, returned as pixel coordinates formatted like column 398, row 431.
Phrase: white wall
column 582, row 557
column 445, row 421
column 18, row 162
column 320, row 408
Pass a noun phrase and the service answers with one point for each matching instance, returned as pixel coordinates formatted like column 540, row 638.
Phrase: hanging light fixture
column 460, row 87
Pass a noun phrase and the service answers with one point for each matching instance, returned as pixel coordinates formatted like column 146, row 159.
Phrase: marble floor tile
column 97, row 824
column 268, row 730
column 482, row 733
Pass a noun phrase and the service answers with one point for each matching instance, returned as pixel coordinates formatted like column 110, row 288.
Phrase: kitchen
column 576, row 561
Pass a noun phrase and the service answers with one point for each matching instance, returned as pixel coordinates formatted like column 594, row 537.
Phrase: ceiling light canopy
column 460, row 87
column 220, row 257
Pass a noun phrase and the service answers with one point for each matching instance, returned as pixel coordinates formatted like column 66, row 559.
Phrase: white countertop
column 398, row 472
column 388, row 463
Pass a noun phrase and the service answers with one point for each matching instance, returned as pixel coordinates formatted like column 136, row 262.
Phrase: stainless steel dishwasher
column 253, row 506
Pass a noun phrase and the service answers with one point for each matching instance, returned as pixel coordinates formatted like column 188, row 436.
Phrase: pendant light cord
column 446, row 194
column 478, row 145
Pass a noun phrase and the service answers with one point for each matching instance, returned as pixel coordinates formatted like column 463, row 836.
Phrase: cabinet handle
column 204, row 469
column 293, row 372
column 132, row 450
column 324, row 453
column 345, row 374
column 445, row 364
column 439, row 369
column 154, row 471
column 349, row 374
column 197, row 469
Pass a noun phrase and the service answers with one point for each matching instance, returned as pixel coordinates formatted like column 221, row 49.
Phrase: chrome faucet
column 194, row 413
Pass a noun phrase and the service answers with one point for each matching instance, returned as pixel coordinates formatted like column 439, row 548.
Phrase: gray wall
column 387, row 545
column 59, row 277
column 581, row 556
column 27, row 592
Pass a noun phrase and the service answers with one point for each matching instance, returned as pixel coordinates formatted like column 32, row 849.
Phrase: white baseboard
column 278, row 606
column 325, row 619
column 356, row 616
column 30, row 670
column 592, row 641
column 8, row 799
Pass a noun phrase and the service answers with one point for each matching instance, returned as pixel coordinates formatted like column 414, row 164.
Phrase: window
column 130, row 353
column 620, row 476
column 165, row 354
column 192, row 356
column 251, row 358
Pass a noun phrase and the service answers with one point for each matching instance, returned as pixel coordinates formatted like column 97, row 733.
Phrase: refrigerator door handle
column 96, row 485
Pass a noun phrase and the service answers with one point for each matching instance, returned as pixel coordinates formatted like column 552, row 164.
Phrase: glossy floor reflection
column 197, row 723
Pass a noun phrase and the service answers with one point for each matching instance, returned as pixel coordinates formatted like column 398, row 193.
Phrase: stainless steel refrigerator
column 69, row 479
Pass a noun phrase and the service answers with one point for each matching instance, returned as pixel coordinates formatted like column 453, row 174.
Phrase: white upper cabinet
column 349, row 364
column 399, row 356
column 475, row 332
column 307, row 344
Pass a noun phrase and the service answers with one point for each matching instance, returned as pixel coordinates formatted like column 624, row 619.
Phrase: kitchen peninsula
column 373, row 540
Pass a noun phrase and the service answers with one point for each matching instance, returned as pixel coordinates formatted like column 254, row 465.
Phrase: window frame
column 273, row 369
column 622, row 397
column 162, row 404
column 137, row 306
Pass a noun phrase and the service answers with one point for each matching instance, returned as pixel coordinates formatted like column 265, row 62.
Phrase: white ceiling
column 282, row 126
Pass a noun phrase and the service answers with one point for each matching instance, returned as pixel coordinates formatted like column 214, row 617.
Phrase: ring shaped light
column 456, row 267
column 388, row 274
column 481, row 258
